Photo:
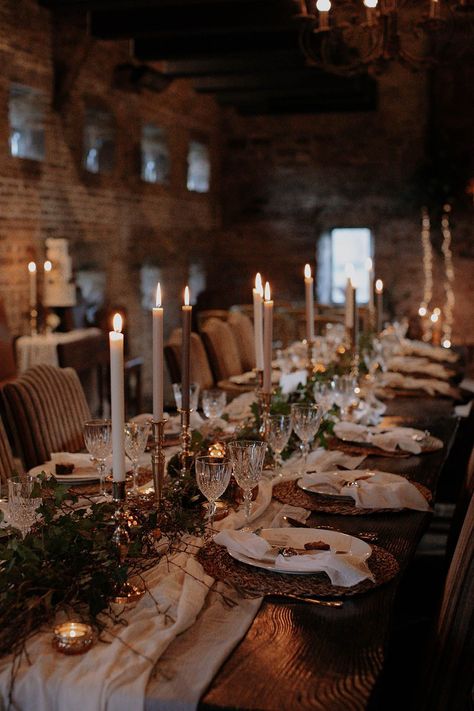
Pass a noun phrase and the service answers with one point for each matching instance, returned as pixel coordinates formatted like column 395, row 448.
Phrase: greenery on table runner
column 68, row 562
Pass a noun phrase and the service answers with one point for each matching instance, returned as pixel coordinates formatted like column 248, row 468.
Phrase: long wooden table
column 299, row 656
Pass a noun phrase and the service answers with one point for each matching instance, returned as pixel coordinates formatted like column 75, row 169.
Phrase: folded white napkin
column 414, row 364
column 290, row 381
column 80, row 460
column 419, row 348
column 429, row 385
column 343, row 569
column 374, row 489
column 324, row 459
column 390, row 439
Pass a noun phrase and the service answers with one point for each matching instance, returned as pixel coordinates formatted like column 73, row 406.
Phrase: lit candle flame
column 267, row 291
column 47, row 266
column 158, row 295
column 371, row 3
column 117, row 323
column 258, row 284
column 186, row 296
column 307, row 271
column 379, row 286
column 31, row 267
column 323, row 5
column 422, row 311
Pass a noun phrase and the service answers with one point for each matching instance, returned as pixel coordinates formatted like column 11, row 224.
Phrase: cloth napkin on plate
column 413, row 364
column 374, row 489
column 343, row 569
column 390, row 439
column 405, row 382
column 324, row 459
column 80, row 460
column 290, row 381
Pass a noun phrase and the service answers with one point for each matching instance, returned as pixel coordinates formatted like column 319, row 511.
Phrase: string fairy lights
column 449, row 277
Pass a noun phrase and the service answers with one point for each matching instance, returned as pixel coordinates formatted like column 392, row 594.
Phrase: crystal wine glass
column 213, row 402
column 212, row 477
column 22, row 505
column 136, row 438
column 98, row 441
column 323, row 396
column 193, row 396
column 306, row 420
column 279, row 432
column 247, row 457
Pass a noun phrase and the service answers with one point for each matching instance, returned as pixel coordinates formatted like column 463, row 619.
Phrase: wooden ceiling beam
column 203, row 19
column 298, row 77
column 234, row 64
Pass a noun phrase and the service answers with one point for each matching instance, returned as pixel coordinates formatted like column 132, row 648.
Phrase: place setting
column 382, row 441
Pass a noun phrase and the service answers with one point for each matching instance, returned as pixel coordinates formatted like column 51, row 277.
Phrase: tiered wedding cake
column 59, row 288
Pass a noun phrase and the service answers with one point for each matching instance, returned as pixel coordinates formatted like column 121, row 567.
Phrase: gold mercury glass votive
column 73, row 637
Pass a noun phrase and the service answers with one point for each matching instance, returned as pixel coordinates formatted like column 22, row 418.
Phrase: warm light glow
column 117, row 323
column 158, row 295
column 186, row 296
column 47, row 266
column 31, row 267
column 307, row 271
column 434, row 317
column 422, row 311
column 437, row 310
column 379, row 286
column 368, row 264
column 446, row 343
column 323, row 5
column 258, row 284
column 371, row 3
column 267, row 291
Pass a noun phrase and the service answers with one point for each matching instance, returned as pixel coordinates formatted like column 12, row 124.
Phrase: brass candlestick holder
column 33, row 321
column 186, row 456
column 266, row 401
column 309, row 357
column 158, row 458
column 258, row 389
column 126, row 592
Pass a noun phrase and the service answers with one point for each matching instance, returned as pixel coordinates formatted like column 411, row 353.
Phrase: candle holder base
column 186, row 457
column 266, row 400
column 127, row 591
column 158, row 458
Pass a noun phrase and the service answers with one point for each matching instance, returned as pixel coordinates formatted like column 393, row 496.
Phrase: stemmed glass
column 306, row 420
column 193, row 396
column 21, row 505
column 247, row 457
column 323, row 396
column 212, row 477
column 213, row 403
column 344, row 387
column 279, row 432
column 98, row 441
column 136, row 438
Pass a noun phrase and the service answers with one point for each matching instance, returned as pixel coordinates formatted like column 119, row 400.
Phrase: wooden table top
column 298, row 656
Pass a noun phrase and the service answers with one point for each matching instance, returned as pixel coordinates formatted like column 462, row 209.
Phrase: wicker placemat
column 429, row 444
column 288, row 492
column 217, row 562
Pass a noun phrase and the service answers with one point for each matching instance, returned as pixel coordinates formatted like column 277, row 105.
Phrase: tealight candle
column 73, row 637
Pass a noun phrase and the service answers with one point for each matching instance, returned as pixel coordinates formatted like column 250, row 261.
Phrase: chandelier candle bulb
column 258, row 321
column 309, row 293
column 158, row 357
column 267, row 340
column 186, row 312
column 379, row 291
column 117, row 404
column 33, row 284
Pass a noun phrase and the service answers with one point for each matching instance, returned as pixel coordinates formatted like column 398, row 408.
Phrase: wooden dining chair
column 8, row 368
column 7, row 463
column 200, row 369
column 449, row 679
column 242, row 329
column 222, row 349
column 46, row 409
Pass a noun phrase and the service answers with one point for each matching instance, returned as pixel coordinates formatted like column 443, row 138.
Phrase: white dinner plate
column 80, row 475
column 325, row 489
column 297, row 537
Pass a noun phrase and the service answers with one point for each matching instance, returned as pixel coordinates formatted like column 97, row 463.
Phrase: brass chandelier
column 351, row 36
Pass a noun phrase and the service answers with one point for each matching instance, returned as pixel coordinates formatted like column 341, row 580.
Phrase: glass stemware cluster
column 22, row 505
column 98, row 441
column 212, row 477
column 306, row 421
column 136, row 439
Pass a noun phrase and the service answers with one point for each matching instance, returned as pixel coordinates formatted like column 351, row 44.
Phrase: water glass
column 247, row 457
column 344, row 393
column 193, row 395
column 136, row 439
column 213, row 403
column 279, row 432
column 323, row 396
column 22, row 505
column 98, row 441
column 212, row 477
column 306, row 420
